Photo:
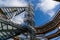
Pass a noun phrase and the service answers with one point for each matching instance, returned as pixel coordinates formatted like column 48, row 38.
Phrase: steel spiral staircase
column 9, row 29
column 49, row 27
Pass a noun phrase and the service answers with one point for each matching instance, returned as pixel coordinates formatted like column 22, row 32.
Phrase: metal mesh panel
column 10, row 29
column 6, row 31
column 10, row 12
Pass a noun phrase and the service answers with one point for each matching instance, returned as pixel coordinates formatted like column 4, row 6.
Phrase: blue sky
column 44, row 10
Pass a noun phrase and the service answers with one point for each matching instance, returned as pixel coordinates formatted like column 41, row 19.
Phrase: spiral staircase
column 9, row 29
column 49, row 27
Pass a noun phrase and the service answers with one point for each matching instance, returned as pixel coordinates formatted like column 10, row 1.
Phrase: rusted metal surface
column 55, row 23
column 16, row 38
column 57, row 0
column 49, row 26
column 28, row 29
column 54, row 35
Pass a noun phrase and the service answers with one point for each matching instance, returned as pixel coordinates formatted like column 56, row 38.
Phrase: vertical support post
column 31, row 22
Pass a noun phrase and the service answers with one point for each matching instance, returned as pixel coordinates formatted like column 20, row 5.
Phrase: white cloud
column 19, row 19
column 47, row 5
column 51, row 13
column 14, row 3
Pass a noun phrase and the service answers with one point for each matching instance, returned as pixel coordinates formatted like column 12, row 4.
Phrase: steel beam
column 49, row 26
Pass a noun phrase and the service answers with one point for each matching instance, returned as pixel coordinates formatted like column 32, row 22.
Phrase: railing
column 49, row 26
column 16, row 29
